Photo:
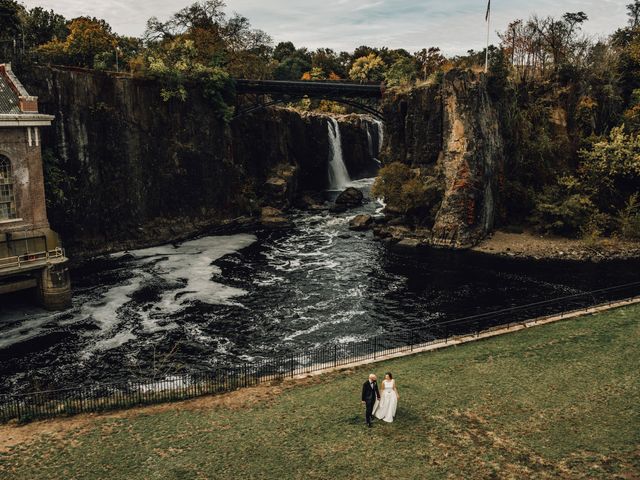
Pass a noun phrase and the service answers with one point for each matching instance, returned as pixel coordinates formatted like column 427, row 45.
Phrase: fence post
column 335, row 355
column 292, row 365
column 375, row 347
column 411, row 339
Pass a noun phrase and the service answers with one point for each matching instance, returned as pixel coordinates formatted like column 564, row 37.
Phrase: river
column 249, row 296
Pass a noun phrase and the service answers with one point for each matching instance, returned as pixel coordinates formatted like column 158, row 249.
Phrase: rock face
column 128, row 169
column 450, row 129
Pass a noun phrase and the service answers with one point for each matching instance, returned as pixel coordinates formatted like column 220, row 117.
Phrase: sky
column 453, row 25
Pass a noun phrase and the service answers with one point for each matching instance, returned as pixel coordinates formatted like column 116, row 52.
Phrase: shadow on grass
column 403, row 416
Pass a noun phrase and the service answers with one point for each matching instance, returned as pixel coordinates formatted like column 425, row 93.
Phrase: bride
column 388, row 399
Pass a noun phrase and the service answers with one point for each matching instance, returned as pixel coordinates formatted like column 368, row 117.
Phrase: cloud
column 454, row 25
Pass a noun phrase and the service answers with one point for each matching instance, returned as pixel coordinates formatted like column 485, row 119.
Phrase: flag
column 486, row 17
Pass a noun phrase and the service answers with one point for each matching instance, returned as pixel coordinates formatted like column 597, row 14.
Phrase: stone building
column 31, row 255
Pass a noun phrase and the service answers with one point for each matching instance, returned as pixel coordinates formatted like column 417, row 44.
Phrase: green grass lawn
column 557, row 401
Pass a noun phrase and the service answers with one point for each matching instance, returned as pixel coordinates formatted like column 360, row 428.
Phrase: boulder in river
column 271, row 212
column 311, row 202
column 361, row 222
column 351, row 197
column 409, row 244
column 273, row 218
column 338, row 208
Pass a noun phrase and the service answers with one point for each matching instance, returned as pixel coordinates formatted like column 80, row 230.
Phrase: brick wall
column 26, row 166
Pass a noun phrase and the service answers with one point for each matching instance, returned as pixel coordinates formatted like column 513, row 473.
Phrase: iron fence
column 103, row 397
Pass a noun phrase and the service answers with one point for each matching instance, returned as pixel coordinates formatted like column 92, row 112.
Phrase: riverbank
column 531, row 246
column 552, row 402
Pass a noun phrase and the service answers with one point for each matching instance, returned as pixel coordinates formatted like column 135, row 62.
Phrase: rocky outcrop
column 127, row 169
column 471, row 156
column 449, row 130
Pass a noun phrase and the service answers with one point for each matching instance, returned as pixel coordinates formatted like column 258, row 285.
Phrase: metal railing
column 111, row 396
column 29, row 259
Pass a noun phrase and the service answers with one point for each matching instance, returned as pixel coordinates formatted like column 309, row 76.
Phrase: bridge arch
column 279, row 101
column 274, row 92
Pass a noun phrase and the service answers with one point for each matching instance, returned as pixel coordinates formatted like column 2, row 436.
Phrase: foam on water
column 312, row 284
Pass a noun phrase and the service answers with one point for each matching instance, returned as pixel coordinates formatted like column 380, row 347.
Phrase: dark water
column 246, row 297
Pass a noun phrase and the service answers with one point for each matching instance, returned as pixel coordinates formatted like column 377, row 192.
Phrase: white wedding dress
column 386, row 409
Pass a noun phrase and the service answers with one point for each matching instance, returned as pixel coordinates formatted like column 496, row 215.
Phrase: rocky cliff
column 126, row 168
column 448, row 131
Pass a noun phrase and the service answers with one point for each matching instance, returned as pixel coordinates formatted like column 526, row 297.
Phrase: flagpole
column 486, row 61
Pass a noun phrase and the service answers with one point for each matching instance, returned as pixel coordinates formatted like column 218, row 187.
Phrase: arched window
column 7, row 198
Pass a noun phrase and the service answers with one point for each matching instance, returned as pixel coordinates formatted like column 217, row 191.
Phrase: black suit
column 369, row 396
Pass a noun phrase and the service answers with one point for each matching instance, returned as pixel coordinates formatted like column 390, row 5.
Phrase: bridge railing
column 29, row 259
column 309, row 88
column 100, row 397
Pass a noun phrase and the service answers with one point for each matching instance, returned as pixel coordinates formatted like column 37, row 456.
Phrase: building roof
column 9, row 101
column 17, row 107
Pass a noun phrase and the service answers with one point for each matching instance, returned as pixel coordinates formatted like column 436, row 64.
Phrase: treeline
column 569, row 108
column 569, row 105
column 199, row 36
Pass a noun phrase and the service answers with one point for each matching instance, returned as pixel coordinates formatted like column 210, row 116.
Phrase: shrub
column 402, row 72
column 407, row 191
column 610, row 170
column 561, row 213
column 629, row 218
column 177, row 67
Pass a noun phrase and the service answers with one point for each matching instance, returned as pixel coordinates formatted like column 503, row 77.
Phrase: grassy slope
column 551, row 402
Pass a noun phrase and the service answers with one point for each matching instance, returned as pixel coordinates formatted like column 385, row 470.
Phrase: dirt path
column 13, row 434
column 530, row 245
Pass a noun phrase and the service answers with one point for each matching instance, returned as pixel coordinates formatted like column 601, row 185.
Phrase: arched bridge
column 273, row 92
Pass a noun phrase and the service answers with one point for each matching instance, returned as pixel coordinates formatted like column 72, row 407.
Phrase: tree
column 558, row 37
column 362, row 51
column 407, row 191
column 42, row 26
column 391, row 56
column 179, row 65
column 402, row 72
column 9, row 17
column 88, row 38
column 315, row 73
column 291, row 62
column 207, row 15
column 327, row 60
column 610, row 169
column 223, row 41
column 283, row 51
column 498, row 75
column 10, row 26
column 429, row 61
column 633, row 10
column 368, row 69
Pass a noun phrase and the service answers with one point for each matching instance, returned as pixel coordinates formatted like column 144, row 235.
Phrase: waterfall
column 372, row 152
column 338, row 174
column 380, row 126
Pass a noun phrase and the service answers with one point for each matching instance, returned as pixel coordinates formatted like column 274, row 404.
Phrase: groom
column 370, row 394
